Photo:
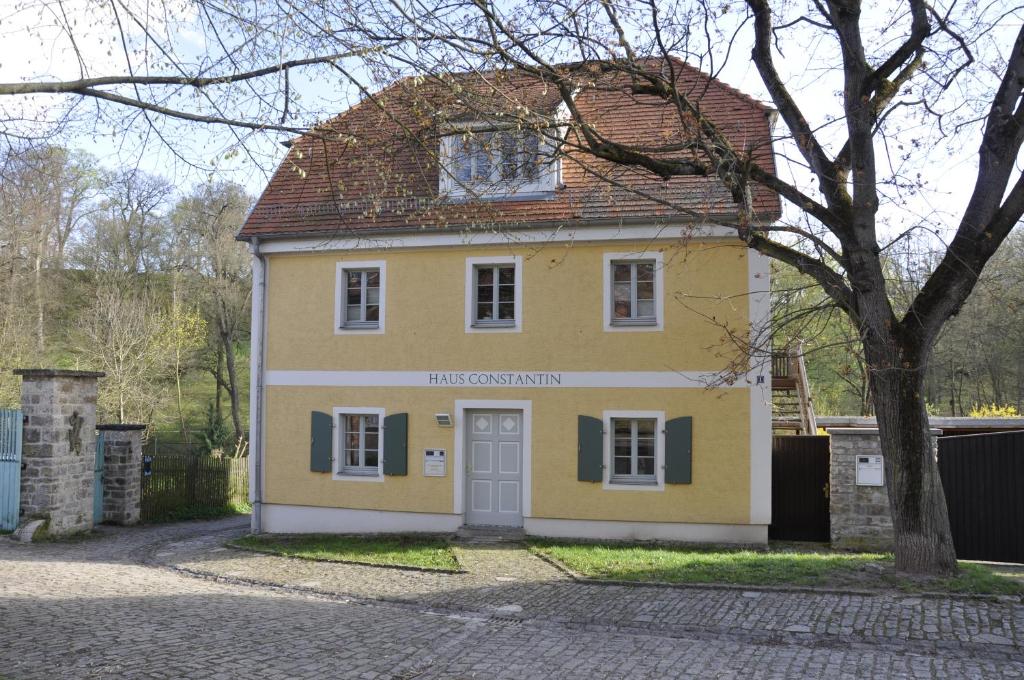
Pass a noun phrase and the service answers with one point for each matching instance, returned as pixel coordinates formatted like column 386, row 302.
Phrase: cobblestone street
column 125, row 605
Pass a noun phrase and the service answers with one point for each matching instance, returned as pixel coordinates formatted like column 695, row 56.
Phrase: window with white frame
column 494, row 294
column 634, row 450
column 633, row 293
column 634, row 287
column 495, row 291
column 497, row 164
column 360, row 443
column 359, row 307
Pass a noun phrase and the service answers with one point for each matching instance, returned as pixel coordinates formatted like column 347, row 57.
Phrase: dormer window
column 502, row 164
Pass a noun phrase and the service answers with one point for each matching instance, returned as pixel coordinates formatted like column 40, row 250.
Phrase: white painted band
column 502, row 379
column 300, row 519
column 306, row 519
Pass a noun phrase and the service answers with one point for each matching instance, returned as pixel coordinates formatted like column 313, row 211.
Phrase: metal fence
column 185, row 486
column 983, row 477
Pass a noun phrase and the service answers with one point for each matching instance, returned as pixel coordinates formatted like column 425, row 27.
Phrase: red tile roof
column 373, row 168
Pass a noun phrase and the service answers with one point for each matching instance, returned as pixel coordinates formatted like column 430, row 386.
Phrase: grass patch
column 184, row 514
column 976, row 579
column 677, row 564
column 700, row 565
column 420, row 552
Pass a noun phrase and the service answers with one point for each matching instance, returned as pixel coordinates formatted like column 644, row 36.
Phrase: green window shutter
column 590, row 449
column 321, row 442
column 396, row 444
column 679, row 450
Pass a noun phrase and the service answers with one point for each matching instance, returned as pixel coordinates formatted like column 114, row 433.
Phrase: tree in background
column 208, row 220
column 129, row 335
column 122, row 286
column 978, row 364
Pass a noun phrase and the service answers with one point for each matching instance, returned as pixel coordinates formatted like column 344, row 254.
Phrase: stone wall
column 122, row 473
column 58, row 448
column 860, row 516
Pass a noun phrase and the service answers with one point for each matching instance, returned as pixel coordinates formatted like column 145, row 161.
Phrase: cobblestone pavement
column 122, row 606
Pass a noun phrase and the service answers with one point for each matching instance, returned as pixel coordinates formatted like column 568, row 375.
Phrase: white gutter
column 257, row 333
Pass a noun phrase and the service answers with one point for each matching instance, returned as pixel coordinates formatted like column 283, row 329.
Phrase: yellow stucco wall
column 562, row 330
column 563, row 326
column 720, row 492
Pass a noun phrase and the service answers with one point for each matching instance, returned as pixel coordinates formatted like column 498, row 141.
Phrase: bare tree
column 128, row 335
column 209, row 220
column 129, row 230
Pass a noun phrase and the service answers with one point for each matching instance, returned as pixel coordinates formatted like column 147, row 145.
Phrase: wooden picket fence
column 186, row 486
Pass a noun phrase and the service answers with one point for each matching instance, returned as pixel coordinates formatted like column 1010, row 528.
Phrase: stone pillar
column 859, row 515
column 58, row 447
column 122, row 473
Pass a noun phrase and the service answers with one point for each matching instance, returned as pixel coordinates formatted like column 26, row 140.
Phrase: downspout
column 259, row 290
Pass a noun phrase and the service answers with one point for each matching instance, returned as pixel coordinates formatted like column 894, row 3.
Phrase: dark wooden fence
column 185, row 486
column 983, row 476
column 800, row 488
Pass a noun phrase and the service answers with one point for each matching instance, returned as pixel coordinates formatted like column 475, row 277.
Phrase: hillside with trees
column 978, row 364
column 123, row 272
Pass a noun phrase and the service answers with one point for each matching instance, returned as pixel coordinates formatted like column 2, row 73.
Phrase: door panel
column 482, row 457
column 495, row 467
column 509, row 458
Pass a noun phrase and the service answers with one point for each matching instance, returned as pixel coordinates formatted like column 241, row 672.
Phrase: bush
column 993, row 411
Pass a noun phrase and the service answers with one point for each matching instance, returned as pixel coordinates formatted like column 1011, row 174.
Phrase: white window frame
column 338, row 450
column 659, row 291
column 549, row 175
column 340, row 299
column 659, row 450
column 471, row 266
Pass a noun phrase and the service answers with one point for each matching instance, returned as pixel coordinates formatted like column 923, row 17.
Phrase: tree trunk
column 229, row 360
column 218, row 380
column 40, row 304
column 924, row 544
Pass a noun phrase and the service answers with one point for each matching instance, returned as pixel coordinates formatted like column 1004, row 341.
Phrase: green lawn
column 754, row 567
column 422, row 552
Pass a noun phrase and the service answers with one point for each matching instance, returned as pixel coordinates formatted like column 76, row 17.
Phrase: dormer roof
column 374, row 168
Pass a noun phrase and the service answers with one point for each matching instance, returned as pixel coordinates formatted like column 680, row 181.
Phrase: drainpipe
column 259, row 290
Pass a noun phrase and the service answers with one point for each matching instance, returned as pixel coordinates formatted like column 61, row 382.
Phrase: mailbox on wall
column 870, row 471
column 434, row 463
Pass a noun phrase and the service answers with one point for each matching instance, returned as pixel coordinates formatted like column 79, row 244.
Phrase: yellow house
column 465, row 326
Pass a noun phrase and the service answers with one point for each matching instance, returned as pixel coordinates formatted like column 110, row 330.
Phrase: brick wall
column 59, row 447
column 122, row 473
column 860, row 516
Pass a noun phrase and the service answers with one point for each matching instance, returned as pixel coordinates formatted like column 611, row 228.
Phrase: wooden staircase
column 792, row 406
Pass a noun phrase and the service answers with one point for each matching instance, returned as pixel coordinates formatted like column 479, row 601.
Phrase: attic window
column 497, row 164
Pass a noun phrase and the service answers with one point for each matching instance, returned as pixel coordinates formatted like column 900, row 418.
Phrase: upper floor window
column 493, row 293
column 504, row 164
column 634, row 291
column 360, row 297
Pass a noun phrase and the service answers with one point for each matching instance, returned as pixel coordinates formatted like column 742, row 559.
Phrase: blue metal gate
column 97, row 485
column 10, row 468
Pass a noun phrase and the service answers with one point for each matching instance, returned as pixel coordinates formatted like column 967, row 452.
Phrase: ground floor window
column 634, row 445
column 360, row 438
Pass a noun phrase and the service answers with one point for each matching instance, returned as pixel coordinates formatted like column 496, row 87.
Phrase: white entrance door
column 494, row 475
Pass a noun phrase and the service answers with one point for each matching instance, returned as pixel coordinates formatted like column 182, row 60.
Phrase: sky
column 32, row 47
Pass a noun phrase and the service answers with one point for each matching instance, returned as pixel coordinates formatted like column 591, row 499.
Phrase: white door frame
column 458, row 464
